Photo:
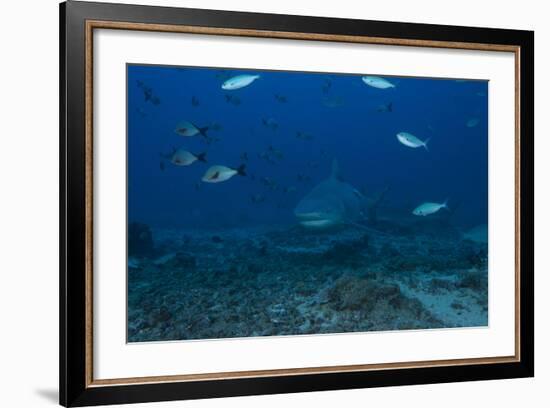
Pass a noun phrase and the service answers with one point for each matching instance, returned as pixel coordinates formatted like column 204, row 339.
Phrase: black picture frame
column 75, row 386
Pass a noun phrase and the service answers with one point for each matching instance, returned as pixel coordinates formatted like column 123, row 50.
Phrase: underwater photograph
column 276, row 203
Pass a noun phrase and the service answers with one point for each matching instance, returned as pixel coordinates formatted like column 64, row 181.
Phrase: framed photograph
column 256, row 204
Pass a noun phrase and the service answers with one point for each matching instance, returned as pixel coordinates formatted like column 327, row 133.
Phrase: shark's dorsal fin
column 335, row 172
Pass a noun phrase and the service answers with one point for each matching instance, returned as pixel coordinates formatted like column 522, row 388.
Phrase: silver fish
column 218, row 173
column 429, row 208
column 239, row 81
column 411, row 140
column 188, row 129
column 182, row 157
column 377, row 82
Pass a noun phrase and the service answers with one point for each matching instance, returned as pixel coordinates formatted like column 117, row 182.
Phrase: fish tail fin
column 203, row 130
column 227, row 97
column 241, row 170
column 425, row 144
column 446, row 204
column 201, row 157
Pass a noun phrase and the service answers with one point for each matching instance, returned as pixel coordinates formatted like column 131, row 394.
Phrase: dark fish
column 303, row 135
column 265, row 156
column 195, row 101
column 385, row 107
column 232, row 99
column 257, row 198
column 275, row 153
column 162, row 166
column 269, row 183
column 281, row 98
column 209, row 140
column 215, row 126
column 270, row 123
column 148, row 93
column 271, row 155
column 217, row 239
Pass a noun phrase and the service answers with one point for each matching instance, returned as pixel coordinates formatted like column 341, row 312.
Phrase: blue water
column 230, row 259
column 360, row 137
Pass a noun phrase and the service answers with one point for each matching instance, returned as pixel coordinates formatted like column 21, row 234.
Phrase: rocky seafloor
column 269, row 281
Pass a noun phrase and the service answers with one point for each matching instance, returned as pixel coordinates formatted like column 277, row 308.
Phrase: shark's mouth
column 316, row 220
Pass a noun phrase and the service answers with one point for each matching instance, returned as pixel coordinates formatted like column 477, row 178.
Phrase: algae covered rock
column 375, row 303
column 353, row 293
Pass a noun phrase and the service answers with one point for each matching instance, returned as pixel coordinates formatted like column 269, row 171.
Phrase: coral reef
column 288, row 281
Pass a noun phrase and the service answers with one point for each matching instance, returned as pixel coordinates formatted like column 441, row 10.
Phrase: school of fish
column 332, row 202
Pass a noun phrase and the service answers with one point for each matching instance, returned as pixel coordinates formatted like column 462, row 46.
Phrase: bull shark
column 334, row 202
